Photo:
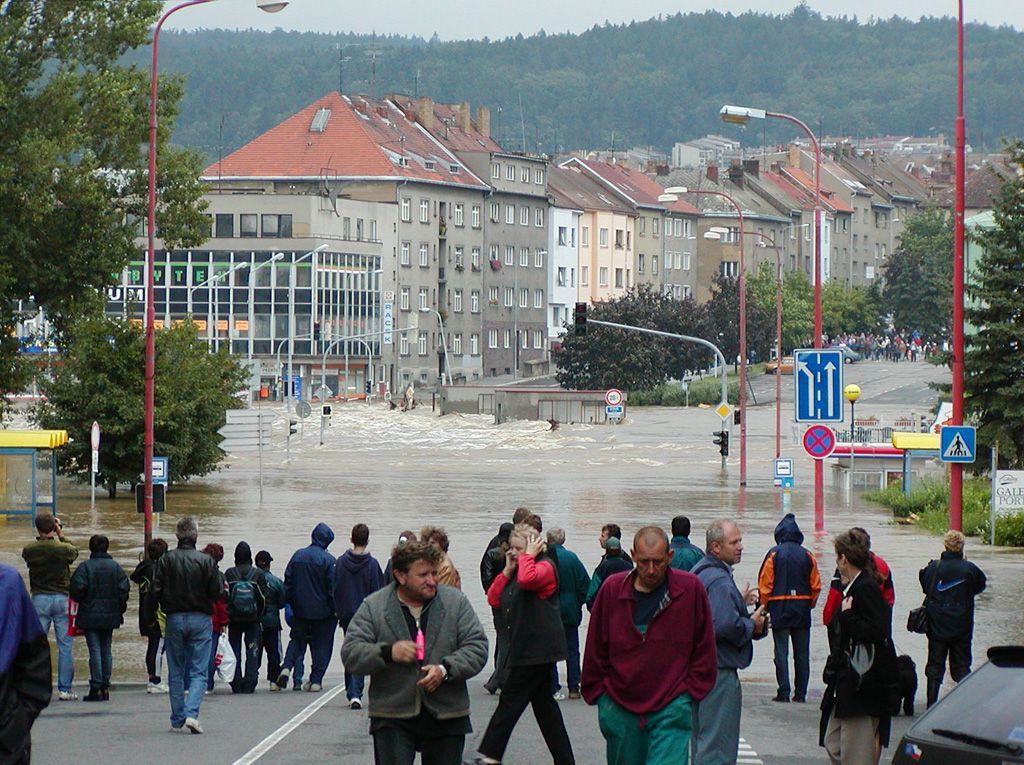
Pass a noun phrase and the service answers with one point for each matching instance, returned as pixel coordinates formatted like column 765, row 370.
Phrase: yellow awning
column 923, row 441
column 33, row 439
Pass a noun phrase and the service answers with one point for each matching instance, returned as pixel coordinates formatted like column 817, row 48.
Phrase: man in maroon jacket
column 650, row 655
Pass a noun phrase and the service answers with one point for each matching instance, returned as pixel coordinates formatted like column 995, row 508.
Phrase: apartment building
column 565, row 218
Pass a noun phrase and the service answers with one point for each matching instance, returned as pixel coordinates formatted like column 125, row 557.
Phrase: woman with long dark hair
column 861, row 671
column 149, row 623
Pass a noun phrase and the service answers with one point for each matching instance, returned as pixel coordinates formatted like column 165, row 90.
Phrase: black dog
column 907, row 672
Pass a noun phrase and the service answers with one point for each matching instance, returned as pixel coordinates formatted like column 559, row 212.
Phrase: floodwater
column 395, row 470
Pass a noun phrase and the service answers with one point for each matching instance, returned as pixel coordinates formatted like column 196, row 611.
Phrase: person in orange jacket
column 789, row 585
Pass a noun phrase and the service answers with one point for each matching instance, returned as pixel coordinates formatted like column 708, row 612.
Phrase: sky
column 463, row 19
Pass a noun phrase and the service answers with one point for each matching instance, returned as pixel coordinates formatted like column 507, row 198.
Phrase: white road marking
column 746, row 755
column 278, row 735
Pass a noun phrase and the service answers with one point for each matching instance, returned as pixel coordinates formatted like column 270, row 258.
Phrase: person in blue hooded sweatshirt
column 789, row 584
column 25, row 673
column 356, row 575
column 309, row 590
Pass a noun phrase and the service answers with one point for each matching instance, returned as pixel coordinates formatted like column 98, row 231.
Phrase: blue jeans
column 572, row 661
column 187, row 640
column 99, row 657
column 318, row 634
column 250, row 634
column 801, row 660
column 52, row 608
column 211, row 661
column 716, row 721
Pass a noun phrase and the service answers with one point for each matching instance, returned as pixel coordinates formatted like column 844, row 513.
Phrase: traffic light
column 722, row 442
column 736, row 416
column 292, row 427
column 580, row 319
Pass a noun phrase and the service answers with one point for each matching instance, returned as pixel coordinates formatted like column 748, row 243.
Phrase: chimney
column 425, row 112
column 382, row 111
column 736, row 173
column 712, row 173
column 465, row 117
column 752, row 167
column 483, row 121
column 794, row 157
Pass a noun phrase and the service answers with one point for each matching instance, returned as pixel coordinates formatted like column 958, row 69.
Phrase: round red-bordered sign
column 613, row 397
column 819, row 441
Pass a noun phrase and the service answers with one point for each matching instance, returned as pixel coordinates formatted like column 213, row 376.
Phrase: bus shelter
column 28, row 470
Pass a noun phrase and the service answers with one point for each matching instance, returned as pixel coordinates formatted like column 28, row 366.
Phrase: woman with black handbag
column 860, row 674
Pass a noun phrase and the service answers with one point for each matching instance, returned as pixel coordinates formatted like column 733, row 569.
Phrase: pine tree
column 994, row 359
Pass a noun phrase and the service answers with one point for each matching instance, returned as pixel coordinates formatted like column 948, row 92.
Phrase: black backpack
column 243, row 599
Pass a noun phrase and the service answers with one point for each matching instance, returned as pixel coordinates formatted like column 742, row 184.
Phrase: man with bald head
column 650, row 656
column 716, row 720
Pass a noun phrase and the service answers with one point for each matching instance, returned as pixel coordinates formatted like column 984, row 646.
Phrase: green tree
column 797, row 304
column 100, row 380
column 850, row 310
column 919, row 276
column 994, row 359
column 721, row 320
column 72, row 178
column 615, row 358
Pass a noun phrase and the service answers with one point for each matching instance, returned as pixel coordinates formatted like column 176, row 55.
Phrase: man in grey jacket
column 419, row 642
column 716, row 732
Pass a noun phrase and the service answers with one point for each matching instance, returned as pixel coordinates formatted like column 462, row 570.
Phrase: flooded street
column 396, row 470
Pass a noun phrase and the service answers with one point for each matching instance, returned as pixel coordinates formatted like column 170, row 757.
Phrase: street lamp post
column 956, row 475
column 741, row 115
column 767, row 241
column 149, row 408
column 851, row 393
column 671, row 194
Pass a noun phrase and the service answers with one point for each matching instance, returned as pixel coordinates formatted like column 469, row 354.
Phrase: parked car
column 774, row 367
column 979, row 723
column 849, row 355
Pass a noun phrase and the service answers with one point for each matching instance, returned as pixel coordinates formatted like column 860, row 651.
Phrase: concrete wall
column 568, row 406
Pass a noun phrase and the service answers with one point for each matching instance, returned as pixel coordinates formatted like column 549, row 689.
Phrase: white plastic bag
column 225, row 660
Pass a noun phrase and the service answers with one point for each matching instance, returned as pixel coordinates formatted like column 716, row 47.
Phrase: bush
column 929, row 507
column 706, row 391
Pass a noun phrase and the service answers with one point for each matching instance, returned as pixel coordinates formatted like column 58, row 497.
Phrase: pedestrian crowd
column 669, row 632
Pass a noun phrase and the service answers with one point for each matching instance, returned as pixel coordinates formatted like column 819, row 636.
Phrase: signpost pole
column 992, row 510
column 94, row 436
column 259, row 425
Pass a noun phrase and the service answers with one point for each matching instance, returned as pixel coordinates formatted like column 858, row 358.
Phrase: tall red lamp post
column 956, row 475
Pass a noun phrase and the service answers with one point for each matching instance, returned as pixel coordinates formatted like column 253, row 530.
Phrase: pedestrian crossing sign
column 957, row 443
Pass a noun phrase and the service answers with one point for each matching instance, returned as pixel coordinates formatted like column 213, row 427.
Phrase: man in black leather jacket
column 185, row 585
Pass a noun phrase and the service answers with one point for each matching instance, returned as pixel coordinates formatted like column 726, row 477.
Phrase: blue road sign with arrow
column 957, row 443
column 818, row 376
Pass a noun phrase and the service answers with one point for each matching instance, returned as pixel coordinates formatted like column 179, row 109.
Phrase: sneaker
column 154, row 688
column 193, row 725
column 95, row 694
column 781, row 698
column 67, row 696
column 282, row 679
column 311, row 687
column 561, row 696
column 275, row 687
column 164, row 687
column 177, row 729
column 355, row 704
column 296, row 687
column 573, row 695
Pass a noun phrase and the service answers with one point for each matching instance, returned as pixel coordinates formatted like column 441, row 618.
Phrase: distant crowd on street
column 669, row 632
column 904, row 345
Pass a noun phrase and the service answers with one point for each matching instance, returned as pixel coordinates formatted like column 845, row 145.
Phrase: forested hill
column 646, row 83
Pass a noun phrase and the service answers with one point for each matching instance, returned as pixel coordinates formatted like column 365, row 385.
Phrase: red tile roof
column 807, row 182
column 361, row 138
column 572, row 188
column 633, row 185
column 448, row 119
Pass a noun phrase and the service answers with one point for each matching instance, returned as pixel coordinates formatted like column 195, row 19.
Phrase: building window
column 563, row 236
column 538, row 339
column 510, row 255
column 406, row 210
column 459, row 216
column 524, row 174
column 474, row 216
column 403, row 344
column 506, row 338
column 277, row 226
column 474, row 344
column 619, row 238
column 618, row 278
column 495, row 212
column 457, row 345
column 686, row 261
column 492, row 338
column 509, row 297
column 654, row 226
column 359, row 229
column 424, row 255
column 373, row 230
column 642, row 224
column 585, row 236
column 602, row 276
column 730, row 268
column 510, row 172
column 524, row 298
column 524, row 215
column 492, row 295
column 346, row 228
column 538, row 258
column 247, row 225
column 225, row 223
column 403, row 299
column 422, row 344
column 510, row 214
column 424, row 211
column 524, row 339
column 561, row 277
column 460, row 261
column 538, row 217
column 538, row 176
column 679, row 227
column 524, row 256
column 474, row 301
column 424, row 298
column 495, row 169
column 475, row 259
column 457, row 301
column 640, row 263
column 404, row 253
column 538, row 298
column 602, row 237
column 584, row 276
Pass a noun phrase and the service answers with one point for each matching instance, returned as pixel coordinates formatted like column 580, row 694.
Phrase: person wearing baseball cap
column 270, row 640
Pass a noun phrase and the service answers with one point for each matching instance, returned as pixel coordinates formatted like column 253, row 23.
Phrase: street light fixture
column 672, row 194
column 149, row 402
column 741, row 115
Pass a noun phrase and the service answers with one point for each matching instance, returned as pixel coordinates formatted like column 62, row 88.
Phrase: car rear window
column 988, row 704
